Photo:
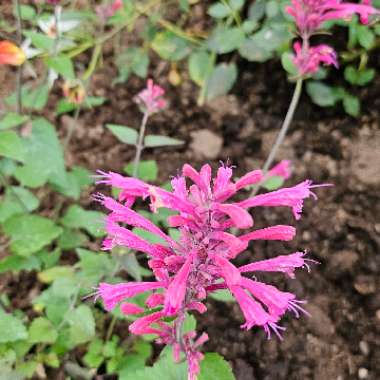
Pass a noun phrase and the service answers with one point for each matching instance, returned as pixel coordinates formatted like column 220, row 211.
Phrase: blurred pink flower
column 151, row 98
column 106, row 11
column 308, row 60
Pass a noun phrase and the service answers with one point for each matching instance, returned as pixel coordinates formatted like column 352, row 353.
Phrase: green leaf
column 221, row 80
column 31, row 98
column 222, row 295
column 55, row 273
column 12, row 329
column 16, row 264
column 17, row 200
column 124, row 134
column 200, row 65
column 40, row 40
column 135, row 360
column 90, row 221
column 11, row 120
column 358, row 77
column 27, row 12
column 273, row 183
column 94, row 355
column 219, row 10
column 164, row 368
column 213, row 366
column 63, row 65
column 321, row 94
column 351, row 105
column 42, row 331
column 44, row 157
column 82, row 325
column 152, row 141
column 147, row 170
column 30, row 233
column 263, row 44
column 366, row 37
column 71, row 239
column 170, row 46
column 11, row 146
column 224, row 40
column 287, row 63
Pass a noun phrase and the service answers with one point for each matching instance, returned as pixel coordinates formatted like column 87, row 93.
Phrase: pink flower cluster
column 200, row 262
column 309, row 15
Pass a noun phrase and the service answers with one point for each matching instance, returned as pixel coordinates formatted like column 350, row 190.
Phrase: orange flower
column 10, row 54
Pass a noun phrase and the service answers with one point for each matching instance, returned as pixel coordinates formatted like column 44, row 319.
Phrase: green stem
column 284, row 128
column 72, row 128
column 140, row 144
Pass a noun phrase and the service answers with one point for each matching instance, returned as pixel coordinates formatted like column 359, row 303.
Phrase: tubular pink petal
column 280, row 232
column 176, row 291
column 239, row 216
column 112, row 294
column 235, row 244
column 292, row 197
column 285, row 263
column 229, row 272
column 282, row 169
column 142, row 325
column 131, row 309
column 253, row 312
column 155, row 300
column 250, row 178
column 190, row 172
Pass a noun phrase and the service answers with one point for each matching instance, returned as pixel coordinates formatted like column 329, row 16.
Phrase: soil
column 341, row 230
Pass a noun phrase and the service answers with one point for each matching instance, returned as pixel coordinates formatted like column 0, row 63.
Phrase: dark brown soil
column 341, row 340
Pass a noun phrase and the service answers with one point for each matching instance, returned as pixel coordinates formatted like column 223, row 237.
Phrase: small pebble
column 363, row 373
column 364, row 347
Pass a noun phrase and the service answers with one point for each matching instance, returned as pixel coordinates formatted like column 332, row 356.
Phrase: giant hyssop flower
column 200, row 262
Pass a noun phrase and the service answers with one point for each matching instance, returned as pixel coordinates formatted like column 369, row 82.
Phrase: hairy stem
column 72, row 128
column 140, row 144
column 16, row 4
column 284, row 128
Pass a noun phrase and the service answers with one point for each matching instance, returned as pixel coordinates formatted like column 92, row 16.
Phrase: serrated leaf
column 82, row 325
column 124, row 134
column 351, row 105
column 30, row 233
column 63, row 65
column 11, row 120
column 11, row 146
column 40, row 40
column 44, row 157
column 152, row 141
column 170, row 46
column 213, row 366
column 12, row 329
column 51, row 274
column 90, row 221
column 200, row 66
column 41, row 330
column 15, row 263
column 321, row 94
column 224, row 40
column 221, row 80
column 17, row 200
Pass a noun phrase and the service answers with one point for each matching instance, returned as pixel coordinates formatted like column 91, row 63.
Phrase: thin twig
column 284, row 128
column 17, row 7
column 140, row 144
